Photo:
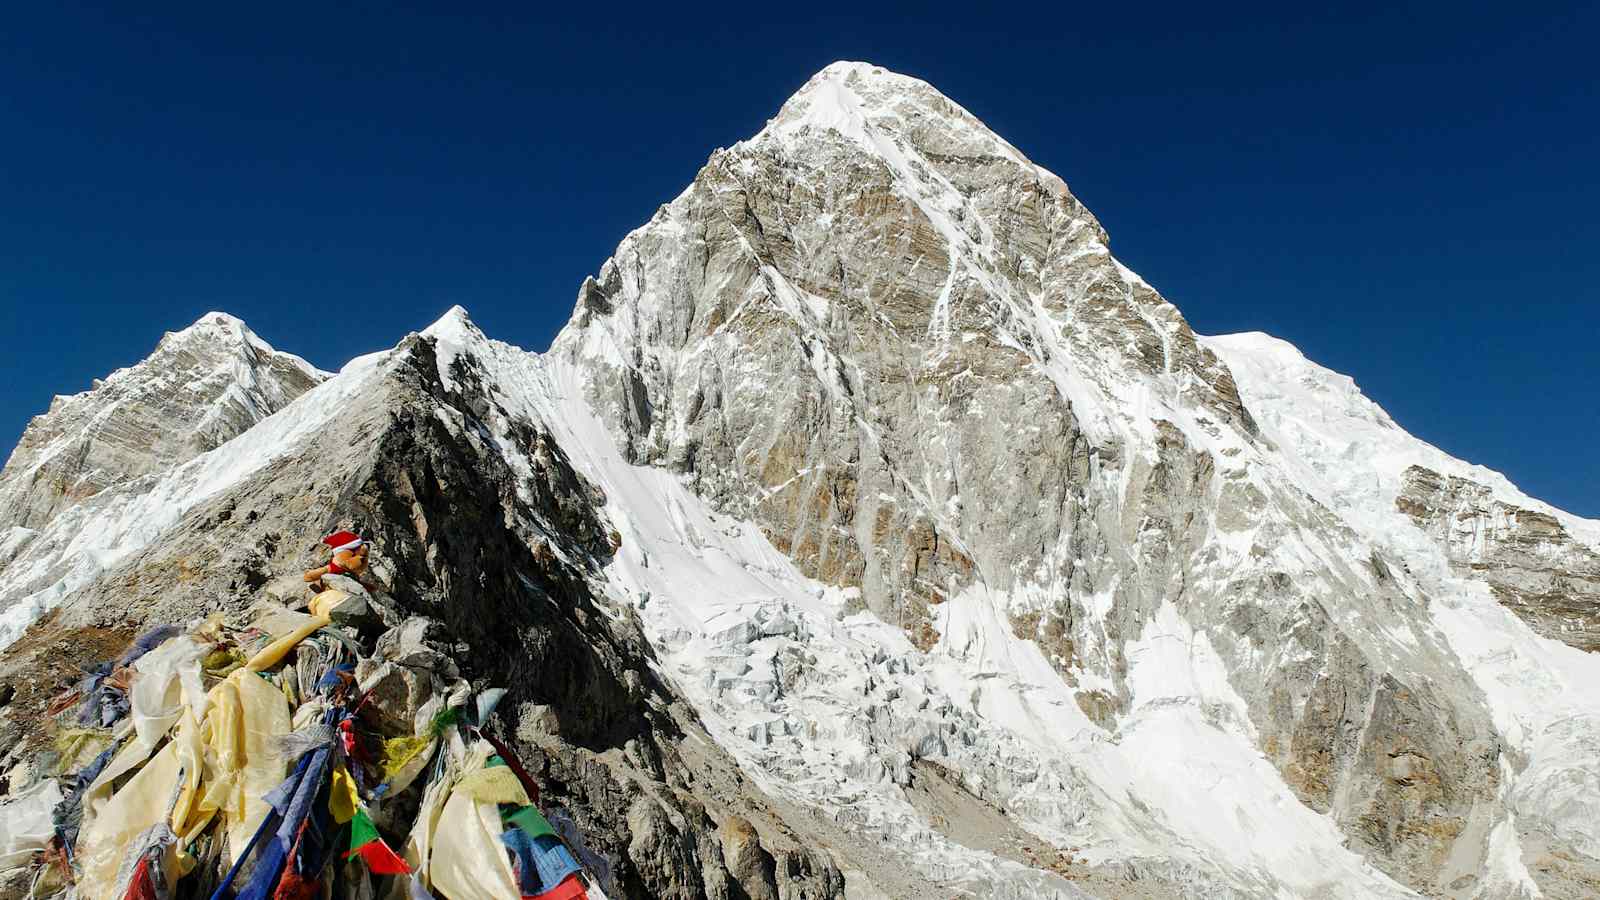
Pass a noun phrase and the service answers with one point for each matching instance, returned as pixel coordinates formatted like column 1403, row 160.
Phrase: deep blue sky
column 1409, row 194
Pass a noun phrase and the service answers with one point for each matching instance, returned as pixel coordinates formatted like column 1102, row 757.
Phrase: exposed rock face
column 202, row 386
column 1341, row 448
column 904, row 350
column 1535, row 567
column 843, row 329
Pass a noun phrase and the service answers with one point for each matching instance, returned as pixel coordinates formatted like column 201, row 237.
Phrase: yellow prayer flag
column 342, row 797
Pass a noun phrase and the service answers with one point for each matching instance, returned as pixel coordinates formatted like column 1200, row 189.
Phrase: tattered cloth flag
column 364, row 840
column 343, row 801
column 543, row 863
column 508, row 758
column 571, row 888
column 529, row 820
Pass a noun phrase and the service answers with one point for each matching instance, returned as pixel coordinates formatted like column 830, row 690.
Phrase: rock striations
column 201, row 387
column 870, row 531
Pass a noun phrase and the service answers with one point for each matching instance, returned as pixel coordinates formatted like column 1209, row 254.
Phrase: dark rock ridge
column 502, row 563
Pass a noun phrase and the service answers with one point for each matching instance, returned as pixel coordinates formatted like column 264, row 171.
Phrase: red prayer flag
column 380, row 859
column 142, row 886
column 364, row 840
column 570, row 888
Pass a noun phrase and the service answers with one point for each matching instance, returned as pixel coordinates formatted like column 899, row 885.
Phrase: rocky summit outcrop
column 1527, row 556
column 870, row 530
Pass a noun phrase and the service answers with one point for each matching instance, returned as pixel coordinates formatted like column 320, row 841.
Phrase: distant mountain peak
column 860, row 99
column 215, row 322
column 219, row 336
column 200, row 387
column 455, row 322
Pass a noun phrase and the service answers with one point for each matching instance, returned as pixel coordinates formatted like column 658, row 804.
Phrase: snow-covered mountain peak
column 874, row 205
column 1282, row 363
column 845, row 68
column 985, row 569
column 455, row 322
column 906, row 354
column 1315, row 413
column 850, row 96
column 906, row 122
column 219, row 335
column 843, row 95
column 217, row 344
column 214, row 325
column 454, row 328
column 200, row 387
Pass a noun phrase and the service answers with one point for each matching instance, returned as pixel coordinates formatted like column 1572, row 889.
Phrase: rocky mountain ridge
column 866, row 481
column 1533, row 564
column 201, row 387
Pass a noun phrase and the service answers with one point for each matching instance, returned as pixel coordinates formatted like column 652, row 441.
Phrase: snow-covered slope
column 1346, row 451
column 157, row 486
column 201, row 387
column 991, row 575
column 833, row 710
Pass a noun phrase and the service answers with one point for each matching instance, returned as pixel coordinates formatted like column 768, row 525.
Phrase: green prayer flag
column 364, row 840
column 530, row 820
column 362, row 831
